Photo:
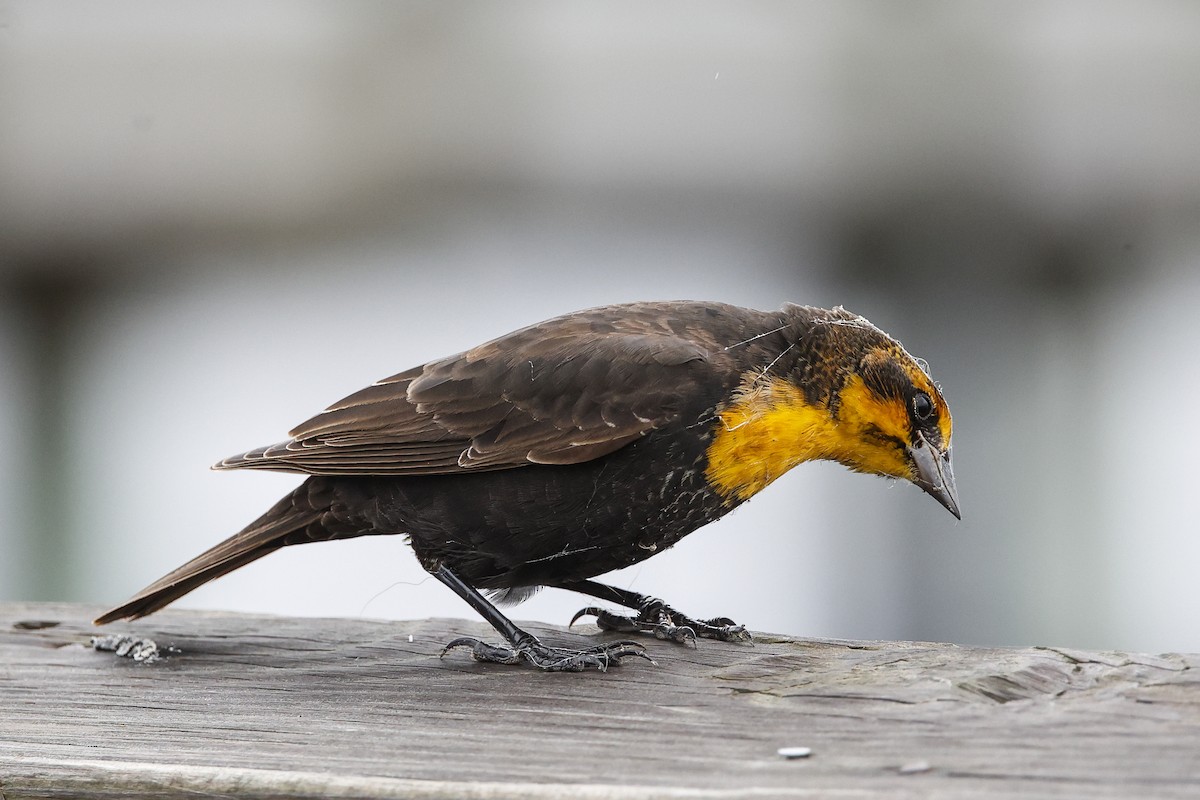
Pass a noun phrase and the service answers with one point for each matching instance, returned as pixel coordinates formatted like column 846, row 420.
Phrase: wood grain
column 271, row 707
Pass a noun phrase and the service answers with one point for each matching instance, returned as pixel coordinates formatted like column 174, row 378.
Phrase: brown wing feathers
column 558, row 393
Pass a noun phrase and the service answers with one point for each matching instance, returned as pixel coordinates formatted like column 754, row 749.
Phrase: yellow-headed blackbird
column 587, row 443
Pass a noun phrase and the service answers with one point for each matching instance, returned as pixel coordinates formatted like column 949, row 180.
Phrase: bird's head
column 851, row 394
column 891, row 419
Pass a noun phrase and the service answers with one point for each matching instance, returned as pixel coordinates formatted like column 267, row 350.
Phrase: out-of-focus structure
column 215, row 220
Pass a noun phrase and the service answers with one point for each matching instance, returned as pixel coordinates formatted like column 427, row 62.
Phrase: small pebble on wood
column 795, row 752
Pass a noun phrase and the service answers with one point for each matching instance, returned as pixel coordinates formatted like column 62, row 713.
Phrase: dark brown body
column 543, row 525
column 545, row 457
column 509, row 526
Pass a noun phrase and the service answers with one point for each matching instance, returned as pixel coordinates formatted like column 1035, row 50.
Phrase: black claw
column 663, row 622
column 682, row 634
column 552, row 659
column 608, row 621
column 728, row 631
column 482, row 651
column 590, row 611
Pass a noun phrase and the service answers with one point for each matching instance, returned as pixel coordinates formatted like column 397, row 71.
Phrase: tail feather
column 265, row 535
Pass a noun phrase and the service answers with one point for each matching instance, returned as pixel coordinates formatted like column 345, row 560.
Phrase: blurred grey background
column 216, row 219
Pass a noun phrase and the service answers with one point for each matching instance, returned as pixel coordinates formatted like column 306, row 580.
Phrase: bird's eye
column 922, row 406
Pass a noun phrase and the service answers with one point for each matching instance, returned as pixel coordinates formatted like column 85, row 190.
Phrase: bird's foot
column 663, row 622
column 551, row 659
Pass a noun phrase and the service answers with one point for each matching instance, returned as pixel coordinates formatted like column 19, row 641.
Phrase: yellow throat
column 771, row 427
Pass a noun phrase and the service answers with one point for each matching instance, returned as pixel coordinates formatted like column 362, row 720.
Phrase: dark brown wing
column 562, row 392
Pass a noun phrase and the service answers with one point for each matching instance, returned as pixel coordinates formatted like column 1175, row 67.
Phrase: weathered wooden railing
column 271, row 707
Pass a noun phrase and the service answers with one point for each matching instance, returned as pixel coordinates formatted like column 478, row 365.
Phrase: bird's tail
column 273, row 530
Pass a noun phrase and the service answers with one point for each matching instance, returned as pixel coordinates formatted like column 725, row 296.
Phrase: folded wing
column 562, row 392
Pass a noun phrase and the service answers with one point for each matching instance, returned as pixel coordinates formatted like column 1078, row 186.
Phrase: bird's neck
column 769, row 428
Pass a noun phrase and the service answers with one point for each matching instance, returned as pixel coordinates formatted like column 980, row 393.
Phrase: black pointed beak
column 934, row 473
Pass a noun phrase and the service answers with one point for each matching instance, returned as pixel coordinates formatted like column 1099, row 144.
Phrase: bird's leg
column 526, row 646
column 653, row 616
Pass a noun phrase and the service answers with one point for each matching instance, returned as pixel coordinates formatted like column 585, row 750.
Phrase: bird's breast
column 766, row 429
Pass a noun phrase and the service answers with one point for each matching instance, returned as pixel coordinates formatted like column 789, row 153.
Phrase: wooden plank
column 270, row 707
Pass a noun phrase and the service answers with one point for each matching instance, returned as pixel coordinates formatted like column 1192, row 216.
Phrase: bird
column 584, row 444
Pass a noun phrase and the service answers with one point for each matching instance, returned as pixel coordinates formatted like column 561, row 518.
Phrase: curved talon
column 590, row 611
column 727, row 631
column 619, row 650
column 462, row 641
column 658, row 619
column 682, row 634
column 552, row 659
column 482, row 651
column 602, row 648
column 608, row 621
